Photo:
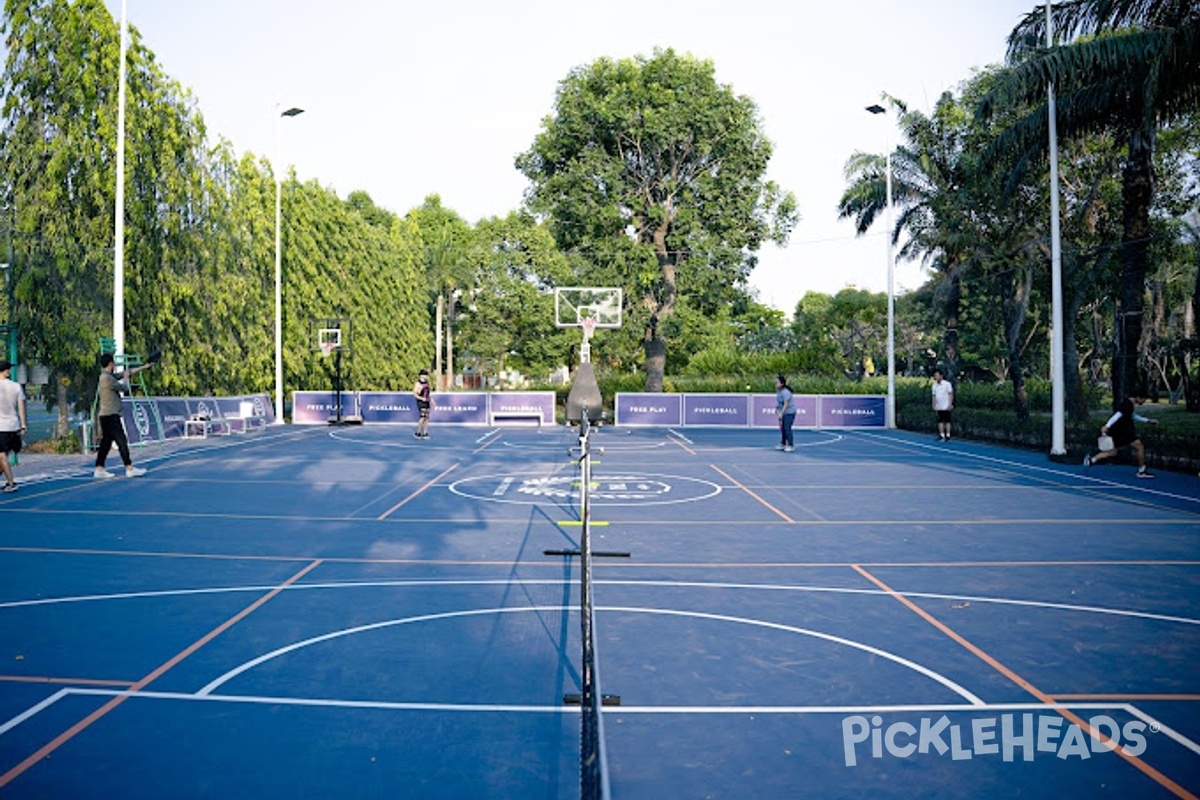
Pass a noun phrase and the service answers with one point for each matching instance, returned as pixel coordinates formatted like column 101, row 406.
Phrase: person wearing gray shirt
column 112, row 430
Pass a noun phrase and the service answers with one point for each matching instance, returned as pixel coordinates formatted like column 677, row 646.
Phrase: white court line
column 1141, row 487
column 1117, row 612
column 33, row 711
column 904, row 662
column 510, row 708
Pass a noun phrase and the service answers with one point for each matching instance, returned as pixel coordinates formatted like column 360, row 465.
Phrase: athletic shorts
column 943, row 416
column 10, row 441
column 423, row 409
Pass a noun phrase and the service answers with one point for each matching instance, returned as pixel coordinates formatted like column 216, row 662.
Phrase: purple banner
column 716, row 409
column 462, row 408
column 141, row 421
column 315, row 408
column 389, row 407
column 505, row 406
column 649, row 409
column 852, row 411
column 763, row 406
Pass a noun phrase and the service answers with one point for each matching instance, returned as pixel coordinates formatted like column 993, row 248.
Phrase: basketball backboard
column 574, row 304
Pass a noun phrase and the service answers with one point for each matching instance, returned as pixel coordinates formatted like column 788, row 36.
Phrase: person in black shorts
column 1124, row 434
column 424, row 394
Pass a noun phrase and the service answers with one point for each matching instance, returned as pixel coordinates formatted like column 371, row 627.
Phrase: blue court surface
column 351, row 612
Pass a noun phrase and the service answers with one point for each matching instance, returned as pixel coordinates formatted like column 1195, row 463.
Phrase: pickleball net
column 593, row 759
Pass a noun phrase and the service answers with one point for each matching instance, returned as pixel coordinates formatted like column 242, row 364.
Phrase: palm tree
column 1140, row 69
column 926, row 182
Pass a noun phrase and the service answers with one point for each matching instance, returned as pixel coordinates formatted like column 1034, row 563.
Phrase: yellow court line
column 995, row 664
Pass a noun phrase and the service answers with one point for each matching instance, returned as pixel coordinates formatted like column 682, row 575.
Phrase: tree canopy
column 654, row 174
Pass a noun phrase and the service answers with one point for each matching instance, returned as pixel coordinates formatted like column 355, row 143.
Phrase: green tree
column 1134, row 67
column 509, row 319
column 654, row 173
column 446, row 252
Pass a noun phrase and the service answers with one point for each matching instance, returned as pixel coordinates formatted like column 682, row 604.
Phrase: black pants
column 111, row 430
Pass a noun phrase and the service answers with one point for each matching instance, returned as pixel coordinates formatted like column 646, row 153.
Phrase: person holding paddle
column 112, row 431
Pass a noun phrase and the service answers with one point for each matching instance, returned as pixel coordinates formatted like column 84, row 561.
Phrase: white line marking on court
column 1118, row 612
column 509, row 708
column 674, row 432
column 488, row 435
column 34, row 710
column 1141, row 488
column 1163, row 728
column 929, row 673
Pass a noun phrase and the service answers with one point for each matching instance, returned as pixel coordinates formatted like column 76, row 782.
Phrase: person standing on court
column 112, row 430
column 424, row 394
column 1120, row 427
column 12, row 422
column 785, row 409
column 943, row 404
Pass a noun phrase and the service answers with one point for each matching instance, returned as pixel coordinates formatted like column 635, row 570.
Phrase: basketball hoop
column 328, row 347
column 589, row 326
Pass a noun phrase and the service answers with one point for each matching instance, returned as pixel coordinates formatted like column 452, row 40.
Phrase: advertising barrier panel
column 648, row 408
column 521, row 406
column 716, row 409
column 390, row 407
column 747, row 410
column 852, row 411
column 315, row 408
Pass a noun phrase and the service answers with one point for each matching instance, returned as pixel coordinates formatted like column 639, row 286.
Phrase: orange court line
column 679, row 442
column 1148, row 770
column 47, row 679
column 84, row 723
column 747, row 490
column 429, row 483
column 1186, row 698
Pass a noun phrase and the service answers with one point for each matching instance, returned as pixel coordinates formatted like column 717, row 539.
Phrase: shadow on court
column 350, row 612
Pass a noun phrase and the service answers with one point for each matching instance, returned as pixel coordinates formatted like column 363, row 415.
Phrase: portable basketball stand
column 330, row 341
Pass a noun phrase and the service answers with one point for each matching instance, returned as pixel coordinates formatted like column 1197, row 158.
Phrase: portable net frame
column 593, row 759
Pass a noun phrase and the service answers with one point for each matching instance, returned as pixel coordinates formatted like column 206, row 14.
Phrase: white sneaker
column 789, row 449
column 778, row 447
column 101, row 472
column 134, row 472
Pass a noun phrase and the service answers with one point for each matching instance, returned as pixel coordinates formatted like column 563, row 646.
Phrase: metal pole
column 1058, row 437
column 278, row 276
column 279, row 404
column 119, row 211
column 890, row 408
column 890, row 404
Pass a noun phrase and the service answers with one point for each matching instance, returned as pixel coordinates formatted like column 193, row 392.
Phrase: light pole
column 291, row 112
column 890, row 406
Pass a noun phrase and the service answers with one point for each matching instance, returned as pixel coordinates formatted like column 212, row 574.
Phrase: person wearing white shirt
column 943, row 404
column 12, row 422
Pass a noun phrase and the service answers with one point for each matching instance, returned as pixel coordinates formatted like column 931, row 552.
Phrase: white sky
column 404, row 98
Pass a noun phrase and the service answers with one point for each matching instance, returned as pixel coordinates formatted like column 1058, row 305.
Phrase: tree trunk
column 1137, row 185
column 949, row 364
column 1014, row 302
column 62, row 426
column 437, row 327
column 661, row 303
column 450, row 344
column 656, row 360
